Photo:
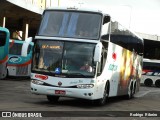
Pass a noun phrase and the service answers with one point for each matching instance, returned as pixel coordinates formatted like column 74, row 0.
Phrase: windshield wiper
column 77, row 74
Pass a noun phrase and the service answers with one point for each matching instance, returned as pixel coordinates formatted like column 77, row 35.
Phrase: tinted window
column 2, row 38
column 70, row 24
column 15, row 49
column 126, row 39
column 151, row 66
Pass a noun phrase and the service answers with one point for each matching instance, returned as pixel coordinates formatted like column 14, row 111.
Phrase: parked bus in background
column 151, row 72
column 85, row 54
column 20, row 55
column 4, row 48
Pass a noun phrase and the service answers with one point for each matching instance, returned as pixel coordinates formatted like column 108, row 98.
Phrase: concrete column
column 26, row 31
column 4, row 21
column 25, row 28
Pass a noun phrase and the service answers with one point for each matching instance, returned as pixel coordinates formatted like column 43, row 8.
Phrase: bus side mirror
column 28, row 40
column 25, row 47
column 97, row 52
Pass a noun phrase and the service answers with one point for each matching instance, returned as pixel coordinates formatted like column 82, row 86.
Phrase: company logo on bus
column 42, row 77
column 59, row 83
column 114, row 56
column 15, row 59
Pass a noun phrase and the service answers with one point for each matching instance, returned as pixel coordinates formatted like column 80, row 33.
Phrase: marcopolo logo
column 42, row 77
column 15, row 59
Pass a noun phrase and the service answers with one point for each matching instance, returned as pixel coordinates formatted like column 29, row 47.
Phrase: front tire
column 157, row 83
column 102, row 100
column 131, row 92
column 148, row 82
column 52, row 99
column 4, row 75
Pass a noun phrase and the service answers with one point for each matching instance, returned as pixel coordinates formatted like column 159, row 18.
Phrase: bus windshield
column 15, row 49
column 64, row 58
column 70, row 24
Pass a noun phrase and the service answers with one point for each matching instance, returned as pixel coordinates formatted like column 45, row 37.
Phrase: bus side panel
column 124, row 65
column 4, row 48
column 112, row 67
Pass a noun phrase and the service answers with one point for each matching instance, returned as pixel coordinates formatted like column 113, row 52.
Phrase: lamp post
column 4, row 21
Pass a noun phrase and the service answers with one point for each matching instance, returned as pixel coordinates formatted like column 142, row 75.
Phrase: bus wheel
column 130, row 94
column 157, row 83
column 102, row 101
column 4, row 75
column 148, row 82
column 52, row 98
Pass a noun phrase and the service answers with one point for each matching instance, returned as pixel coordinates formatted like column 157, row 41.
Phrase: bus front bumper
column 87, row 93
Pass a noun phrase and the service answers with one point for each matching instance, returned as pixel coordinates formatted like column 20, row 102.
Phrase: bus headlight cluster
column 85, row 86
column 38, row 82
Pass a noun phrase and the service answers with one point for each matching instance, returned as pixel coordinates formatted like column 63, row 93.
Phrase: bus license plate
column 60, row 92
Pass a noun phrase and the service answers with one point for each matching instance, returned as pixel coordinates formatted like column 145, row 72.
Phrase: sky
column 141, row 16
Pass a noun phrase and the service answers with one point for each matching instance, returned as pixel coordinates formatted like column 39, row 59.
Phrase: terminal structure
column 22, row 18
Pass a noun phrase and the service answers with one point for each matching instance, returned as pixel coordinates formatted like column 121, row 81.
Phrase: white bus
column 69, row 37
column 151, row 73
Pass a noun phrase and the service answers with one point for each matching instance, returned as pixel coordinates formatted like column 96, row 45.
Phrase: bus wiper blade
column 80, row 74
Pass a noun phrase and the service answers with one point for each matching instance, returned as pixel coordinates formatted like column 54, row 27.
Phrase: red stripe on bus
column 4, row 60
column 21, row 65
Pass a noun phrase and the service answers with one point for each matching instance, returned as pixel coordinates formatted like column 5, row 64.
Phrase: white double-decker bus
column 85, row 54
column 151, row 72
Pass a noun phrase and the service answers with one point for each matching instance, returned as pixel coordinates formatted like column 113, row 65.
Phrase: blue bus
column 20, row 54
column 4, row 48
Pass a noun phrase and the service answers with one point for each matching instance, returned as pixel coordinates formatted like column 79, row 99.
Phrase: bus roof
column 75, row 9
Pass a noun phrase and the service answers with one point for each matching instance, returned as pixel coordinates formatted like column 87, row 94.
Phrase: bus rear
column 4, row 47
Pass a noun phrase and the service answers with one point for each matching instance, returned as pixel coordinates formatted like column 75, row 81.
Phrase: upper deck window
column 70, row 24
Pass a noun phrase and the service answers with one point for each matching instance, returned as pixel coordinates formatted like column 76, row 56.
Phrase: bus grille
column 22, row 71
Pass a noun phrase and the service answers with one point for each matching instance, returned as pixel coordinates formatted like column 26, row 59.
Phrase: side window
column 124, row 38
column 3, row 36
column 119, row 34
column 140, row 48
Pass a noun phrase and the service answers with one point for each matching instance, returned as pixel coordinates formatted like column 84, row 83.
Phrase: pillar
column 4, row 21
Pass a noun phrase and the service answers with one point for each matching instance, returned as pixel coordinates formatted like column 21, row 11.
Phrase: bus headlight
column 38, row 82
column 85, row 86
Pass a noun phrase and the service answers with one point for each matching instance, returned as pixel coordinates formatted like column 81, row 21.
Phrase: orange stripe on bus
column 21, row 65
column 4, row 60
